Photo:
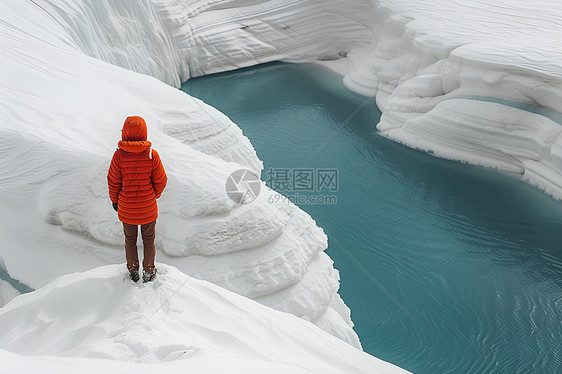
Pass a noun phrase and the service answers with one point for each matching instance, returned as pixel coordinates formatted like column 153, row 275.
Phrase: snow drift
column 62, row 112
column 476, row 82
column 177, row 322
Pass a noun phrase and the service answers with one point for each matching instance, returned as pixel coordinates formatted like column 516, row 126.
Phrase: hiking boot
column 134, row 275
column 148, row 277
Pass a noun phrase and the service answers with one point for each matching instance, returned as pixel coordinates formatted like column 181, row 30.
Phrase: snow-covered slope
column 180, row 323
column 61, row 115
column 477, row 81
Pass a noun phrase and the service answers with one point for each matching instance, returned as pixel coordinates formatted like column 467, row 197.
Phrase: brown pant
column 148, row 234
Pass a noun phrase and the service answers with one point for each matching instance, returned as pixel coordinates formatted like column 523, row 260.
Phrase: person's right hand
column 115, row 206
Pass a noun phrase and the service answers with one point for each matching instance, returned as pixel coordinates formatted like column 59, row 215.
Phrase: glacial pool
column 447, row 268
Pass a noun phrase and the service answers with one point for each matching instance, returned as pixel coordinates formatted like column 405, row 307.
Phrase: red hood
column 134, row 128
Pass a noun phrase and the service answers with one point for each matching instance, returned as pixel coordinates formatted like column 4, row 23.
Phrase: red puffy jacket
column 136, row 176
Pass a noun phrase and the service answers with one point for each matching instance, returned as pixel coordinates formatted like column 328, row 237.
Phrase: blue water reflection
column 447, row 268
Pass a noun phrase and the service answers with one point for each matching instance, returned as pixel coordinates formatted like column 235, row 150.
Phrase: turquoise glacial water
column 20, row 287
column 447, row 268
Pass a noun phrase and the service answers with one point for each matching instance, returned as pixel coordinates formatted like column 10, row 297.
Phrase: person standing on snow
column 136, row 178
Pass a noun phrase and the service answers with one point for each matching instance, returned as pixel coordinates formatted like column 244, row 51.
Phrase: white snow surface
column 7, row 292
column 476, row 81
column 100, row 321
column 62, row 111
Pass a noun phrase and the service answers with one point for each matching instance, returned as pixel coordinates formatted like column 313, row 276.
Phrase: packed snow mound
column 477, row 82
column 101, row 313
column 62, row 112
column 175, row 40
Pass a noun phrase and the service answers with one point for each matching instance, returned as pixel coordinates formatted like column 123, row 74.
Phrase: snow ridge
column 178, row 323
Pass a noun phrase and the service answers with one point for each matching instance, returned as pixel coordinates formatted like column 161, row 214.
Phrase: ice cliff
column 175, row 40
column 478, row 82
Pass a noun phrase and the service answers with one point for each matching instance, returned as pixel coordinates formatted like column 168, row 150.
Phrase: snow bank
column 62, row 112
column 176, row 322
column 477, row 82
